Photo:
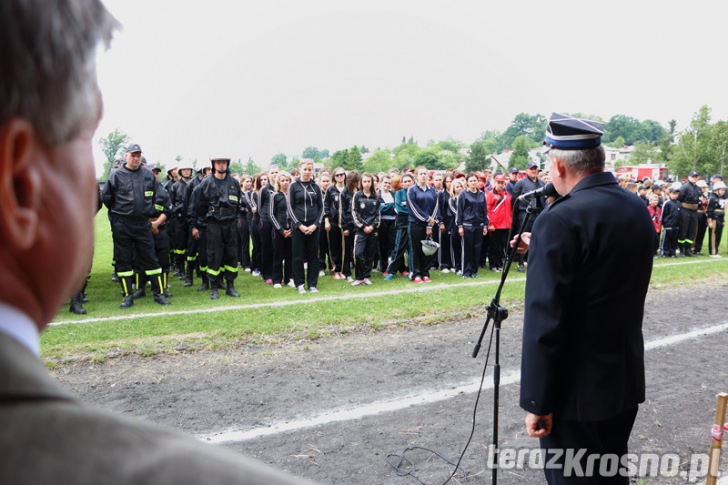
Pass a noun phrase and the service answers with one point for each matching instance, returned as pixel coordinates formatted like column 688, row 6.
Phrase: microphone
column 547, row 190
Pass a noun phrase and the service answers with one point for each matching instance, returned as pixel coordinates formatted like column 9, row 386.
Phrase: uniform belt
column 718, row 211
column 222, row 211
column 701, row 212
column 690, row 206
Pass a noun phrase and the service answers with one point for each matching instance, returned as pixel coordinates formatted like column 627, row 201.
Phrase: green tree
column 251, row 168
column 644, row 152
column 625, row 126
column 693, row 149
column 404, row 155
column 311, row 152
column 479, row 153
column 531, row 126
column 666, row 143
column 379, row 161
column 353, row 159
column 427, row 158
column 112, row 146
column 280, row 160
column 519, row 156
column 236, row 167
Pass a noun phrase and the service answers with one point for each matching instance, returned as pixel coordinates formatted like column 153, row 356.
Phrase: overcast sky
column 255, row 78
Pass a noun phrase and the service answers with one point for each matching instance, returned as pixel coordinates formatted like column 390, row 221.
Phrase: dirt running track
column 333, row 409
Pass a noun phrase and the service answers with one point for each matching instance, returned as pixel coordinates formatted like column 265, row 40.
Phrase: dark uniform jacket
column 716, row 207
column 130, row 193
column 690, row 194
column 279, row 212
column 337, row 207
column 523, row 186
column 178, row 196
column 583, row 352
column 365, row 210
column 671, row 214
column 216, row 200
column 305, row 203
column 471, row 209
column 422, row 203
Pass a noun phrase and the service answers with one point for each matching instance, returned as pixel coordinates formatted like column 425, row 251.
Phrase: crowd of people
column 292, row 228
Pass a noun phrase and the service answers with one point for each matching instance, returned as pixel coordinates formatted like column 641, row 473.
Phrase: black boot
column 214, row 295
column 114, row 277
column 76, row 305
column 165, row 281
column 126, row 287
column 141, row 282
column 230, row 291
column 205, row 283
column 158, row 289
column 189, row 275
column 686, row 250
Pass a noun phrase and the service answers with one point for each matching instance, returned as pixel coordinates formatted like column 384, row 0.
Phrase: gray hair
column 48, row 64
column 580, row 162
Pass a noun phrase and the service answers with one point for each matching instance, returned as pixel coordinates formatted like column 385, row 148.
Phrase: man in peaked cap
column 527, row 184
column 582, row 368
column 129, row 194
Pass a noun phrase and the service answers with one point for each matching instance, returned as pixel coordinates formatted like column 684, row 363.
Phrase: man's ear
column 20, row 184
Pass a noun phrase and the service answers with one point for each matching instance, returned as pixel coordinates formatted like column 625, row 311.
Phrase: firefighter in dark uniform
column 129, row 195
column 520, row 207
column 689, row 199
column 179, row 227
column 702, row 218
column 217, row 202
column 582, row 359
column 197, row 242
column 163, row 212
column 716, row 216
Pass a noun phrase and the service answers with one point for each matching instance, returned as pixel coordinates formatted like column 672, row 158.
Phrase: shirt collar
column 18, row 325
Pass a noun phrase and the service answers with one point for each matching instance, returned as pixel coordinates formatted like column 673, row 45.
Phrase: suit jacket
column 589, row 266
column 49, row 437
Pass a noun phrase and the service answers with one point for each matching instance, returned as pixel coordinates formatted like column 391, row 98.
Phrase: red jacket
column 499, row 209
column 655, row 213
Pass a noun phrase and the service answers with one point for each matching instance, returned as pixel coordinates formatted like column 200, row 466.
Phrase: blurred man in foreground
column 50, row 106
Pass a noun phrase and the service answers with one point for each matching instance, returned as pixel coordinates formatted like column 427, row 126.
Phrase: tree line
column 702, row 146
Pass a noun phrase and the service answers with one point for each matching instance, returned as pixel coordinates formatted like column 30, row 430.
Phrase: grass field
column 194, row 322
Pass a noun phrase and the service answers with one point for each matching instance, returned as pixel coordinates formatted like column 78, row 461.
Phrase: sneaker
column 349, row 279
column 357, row 283
column 389, row 277
column 417, row 280
column 335, row 276
column 277, row 285
column 459, row 273
column 385, row 274
column 313, row 289
column 521, row 268
column 291, row 284
column 445, row 270
column 247, row 269
column 367, row 281
column 322, row 273
column 405, row 273
column 301, row 290
column 255, row 272
column 376, row 270
column 426, row 279
column 268, row 282
column 496, row 270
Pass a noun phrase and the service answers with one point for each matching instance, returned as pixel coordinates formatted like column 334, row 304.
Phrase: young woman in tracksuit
column 336, row 220
column 500, row 215
column 282, row 255
column 472, row 222
column 266, row 230
column 444, row 255
column 246, row 184
column 260, row 181
column 387, row 226
column 423, row 211
column 456, row 240
column 366, row 217
column 397, row 261
column 306, row 211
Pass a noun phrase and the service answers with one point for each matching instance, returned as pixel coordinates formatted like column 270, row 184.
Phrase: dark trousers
column 324, row 251
column 305, row 248
column 419, row 264
column 222, row 244
column 282, row 258
column 387, row 233
column 400, row 246
column 365, row 248
column 715, row 235
column 348, row 257
column 607, row 437
column 178, row 230
column 472, row 247
column 336, row 248
column 456, row 251
column 702, row 226
column 134, row 246
column 255, row 240
column 688, row 226
column 444, row 256
column 497, row 247
column 243, row 241
column 669, row 241
column 266, row 249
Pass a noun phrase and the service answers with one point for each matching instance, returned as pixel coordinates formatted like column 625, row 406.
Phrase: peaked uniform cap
column 565, row 132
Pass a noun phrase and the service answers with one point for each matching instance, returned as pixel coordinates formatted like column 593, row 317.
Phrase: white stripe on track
column 298, row 301
column 426, row 397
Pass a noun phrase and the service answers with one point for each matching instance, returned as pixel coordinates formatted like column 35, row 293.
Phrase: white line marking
column 297, row 301
column 426, row 397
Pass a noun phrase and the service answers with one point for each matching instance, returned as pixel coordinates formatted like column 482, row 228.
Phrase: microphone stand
column 498, row 313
